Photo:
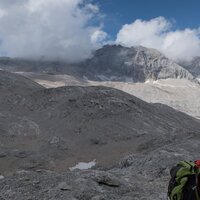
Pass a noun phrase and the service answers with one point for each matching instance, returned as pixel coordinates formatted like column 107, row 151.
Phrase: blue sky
column 186, row 13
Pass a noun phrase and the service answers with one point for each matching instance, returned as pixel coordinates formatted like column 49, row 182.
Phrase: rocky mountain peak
column 115, row 62
column 193, row 66
column 111, row 62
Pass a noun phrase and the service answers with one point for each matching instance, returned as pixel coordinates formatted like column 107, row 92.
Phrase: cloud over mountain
column 71, row 29
column 158, row 33
column 50, row 29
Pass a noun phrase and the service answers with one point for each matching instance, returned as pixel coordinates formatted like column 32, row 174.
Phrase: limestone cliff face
column 136, row 64
column 193, row 67
column 111, row 62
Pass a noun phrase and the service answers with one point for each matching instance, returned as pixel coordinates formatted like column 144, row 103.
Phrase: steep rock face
column 111, row 62
column 193, row 67
column 135, row 64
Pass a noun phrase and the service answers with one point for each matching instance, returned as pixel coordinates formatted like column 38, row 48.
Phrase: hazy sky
column 71, row 29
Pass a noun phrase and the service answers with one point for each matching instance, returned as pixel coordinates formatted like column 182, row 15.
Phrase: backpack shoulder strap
column 180, row 174
column 186, row 169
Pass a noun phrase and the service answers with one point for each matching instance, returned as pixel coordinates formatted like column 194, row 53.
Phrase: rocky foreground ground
column 44, row 132
column 136, row 177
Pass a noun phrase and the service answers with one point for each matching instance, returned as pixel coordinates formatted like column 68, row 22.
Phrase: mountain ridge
column 111, row 62
column 193, row 67
column 137, row 63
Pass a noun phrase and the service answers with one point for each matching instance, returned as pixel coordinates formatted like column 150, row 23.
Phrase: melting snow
column 83, row 165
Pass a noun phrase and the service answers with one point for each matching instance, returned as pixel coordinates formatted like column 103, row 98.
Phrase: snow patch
column 1, row 177
column 83, row 165
column 165, row 85
column 85, row 78
column 103, row 78
column 128, row 63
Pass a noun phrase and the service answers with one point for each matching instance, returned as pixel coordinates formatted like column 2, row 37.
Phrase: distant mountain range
column 113, row 62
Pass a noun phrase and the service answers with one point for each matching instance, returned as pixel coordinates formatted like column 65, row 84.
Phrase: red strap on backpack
column 197, row 163
column 197, row 166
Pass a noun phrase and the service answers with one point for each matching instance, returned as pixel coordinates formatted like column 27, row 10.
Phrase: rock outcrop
column 134, row 64
column 112, row 62
column 193, row 67
column 139, row 176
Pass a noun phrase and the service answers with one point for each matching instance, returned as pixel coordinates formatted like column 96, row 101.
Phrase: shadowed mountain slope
column 57, row 128
column 13, row 83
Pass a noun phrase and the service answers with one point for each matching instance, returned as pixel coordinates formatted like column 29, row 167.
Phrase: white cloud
column 2, row 13
column 98, row 37
column 49, row 29
column 157, row 33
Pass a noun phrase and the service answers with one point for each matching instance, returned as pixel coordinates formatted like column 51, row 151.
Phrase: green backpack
column 184, row 181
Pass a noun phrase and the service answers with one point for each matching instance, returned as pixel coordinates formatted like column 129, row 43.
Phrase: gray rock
column 192, row 66
column 24, row 128
column 64, row 186
column 20, row 154
column 134, row 64
column 3, row 154
column 54, row 140
column 103, row 178
column 99, row 197
column 112, row 62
